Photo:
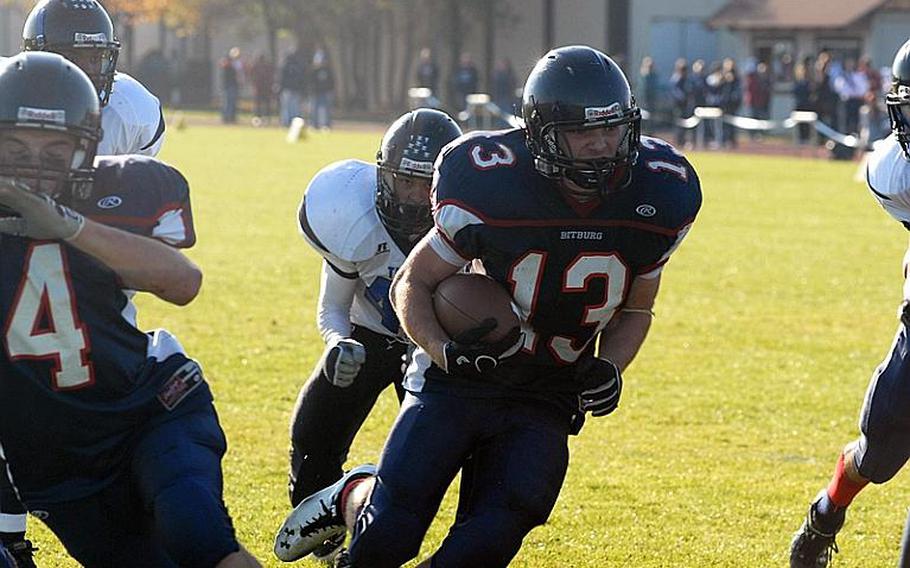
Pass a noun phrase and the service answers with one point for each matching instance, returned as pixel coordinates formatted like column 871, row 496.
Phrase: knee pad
column 879, row 458
column 193, row 524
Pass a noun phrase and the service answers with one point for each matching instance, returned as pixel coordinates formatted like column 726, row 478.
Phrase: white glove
column 40, row 217
column 343, row 360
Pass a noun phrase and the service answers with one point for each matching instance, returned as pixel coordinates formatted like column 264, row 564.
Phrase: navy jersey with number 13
column 568, row 268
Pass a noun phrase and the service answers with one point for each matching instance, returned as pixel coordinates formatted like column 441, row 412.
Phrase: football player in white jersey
column 82, row 31
column 884, row 443
column 363, row 219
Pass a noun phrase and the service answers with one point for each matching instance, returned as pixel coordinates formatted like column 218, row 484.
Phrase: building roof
column 791, row 14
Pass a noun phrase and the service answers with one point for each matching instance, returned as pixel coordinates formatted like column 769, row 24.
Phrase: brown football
column 463, row 301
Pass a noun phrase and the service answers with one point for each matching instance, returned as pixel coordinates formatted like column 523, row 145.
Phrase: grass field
column 771, row 318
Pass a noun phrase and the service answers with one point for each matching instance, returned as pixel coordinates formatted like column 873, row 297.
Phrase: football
column 463, row 301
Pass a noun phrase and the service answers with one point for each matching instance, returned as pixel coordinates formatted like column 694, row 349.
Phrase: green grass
column 771, row 317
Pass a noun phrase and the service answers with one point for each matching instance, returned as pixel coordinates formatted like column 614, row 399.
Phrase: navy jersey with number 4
column 78, row 379
column 567, row 267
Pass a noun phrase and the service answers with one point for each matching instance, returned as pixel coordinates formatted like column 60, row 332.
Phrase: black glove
column 601, row 384
column 468, row 355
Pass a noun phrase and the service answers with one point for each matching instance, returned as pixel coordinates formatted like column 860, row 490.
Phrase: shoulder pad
column 888, row 178
column 666, row 184
column 467, row 165
column 140, row 194
column 132, row 121
column 338, row 212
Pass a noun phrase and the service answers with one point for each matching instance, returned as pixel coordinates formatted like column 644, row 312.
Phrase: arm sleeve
column 333, row 312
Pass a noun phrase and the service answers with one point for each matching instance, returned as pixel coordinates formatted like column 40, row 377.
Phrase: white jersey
column 338, row 218
column 132, row 121
column 888, row 177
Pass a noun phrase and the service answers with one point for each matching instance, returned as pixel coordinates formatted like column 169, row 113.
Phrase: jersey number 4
column 44, row 323
column 526, row 276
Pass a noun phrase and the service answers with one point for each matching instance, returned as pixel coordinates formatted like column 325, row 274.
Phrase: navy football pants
column 167, row 510
column 520, row 455
column 884, row 446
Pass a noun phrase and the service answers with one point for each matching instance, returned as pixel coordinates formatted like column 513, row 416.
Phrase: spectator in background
column 873, row 121
column 851, row 86
column 801, row 97
column 465, row 80
column 231, row 67
column 504, row 86
column 872, row 75
column 323, row 85
column 699, row 87
column 292, row 87
column 757, row 95
column 681, row 92
column 262, row 76
column 427, row 72
column 821, row 92
column 731, row 97
column 648, row 84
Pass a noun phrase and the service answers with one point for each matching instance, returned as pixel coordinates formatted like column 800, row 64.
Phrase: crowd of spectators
column 846, row 93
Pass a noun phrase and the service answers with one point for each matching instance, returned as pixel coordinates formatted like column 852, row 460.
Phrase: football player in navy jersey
column 362, row 219
column 109, row 432
column 132, row 122
column 575, row 215
column 883, row 446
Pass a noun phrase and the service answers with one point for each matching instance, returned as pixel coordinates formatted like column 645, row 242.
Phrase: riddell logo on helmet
column 29, row 114
column 82, row 38
column 598, row 113
column 408, row 164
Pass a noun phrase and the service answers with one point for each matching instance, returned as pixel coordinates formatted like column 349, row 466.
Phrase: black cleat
column 342, row 560
column 813, row 545
column 22, row 553
column 328, row 550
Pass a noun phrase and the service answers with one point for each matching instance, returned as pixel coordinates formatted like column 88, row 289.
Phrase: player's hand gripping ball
column 476, row 312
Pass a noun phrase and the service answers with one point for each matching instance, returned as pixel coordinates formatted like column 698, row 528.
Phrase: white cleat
column 316, row 519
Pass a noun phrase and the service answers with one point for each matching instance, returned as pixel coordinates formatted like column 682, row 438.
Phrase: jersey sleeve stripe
column 158, row 132
column 171, row 228
column 340, row 272
column 451, row 217
column 446, row 249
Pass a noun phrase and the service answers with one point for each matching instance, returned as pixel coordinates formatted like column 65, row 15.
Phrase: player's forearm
column 333, row 314
column 413, row 302
column 621, row 341
column 142, row 263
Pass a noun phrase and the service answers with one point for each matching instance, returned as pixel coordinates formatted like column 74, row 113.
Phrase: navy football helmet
column 44, row 91
column 577, row 88
column 81, row 31
column 407, row 153
column 898, row 98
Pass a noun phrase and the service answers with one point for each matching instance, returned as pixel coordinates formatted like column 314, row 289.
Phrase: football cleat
column 328, row 550
column 342, row 560
column 813, row 545
column 317, row 519
column 22, row 552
